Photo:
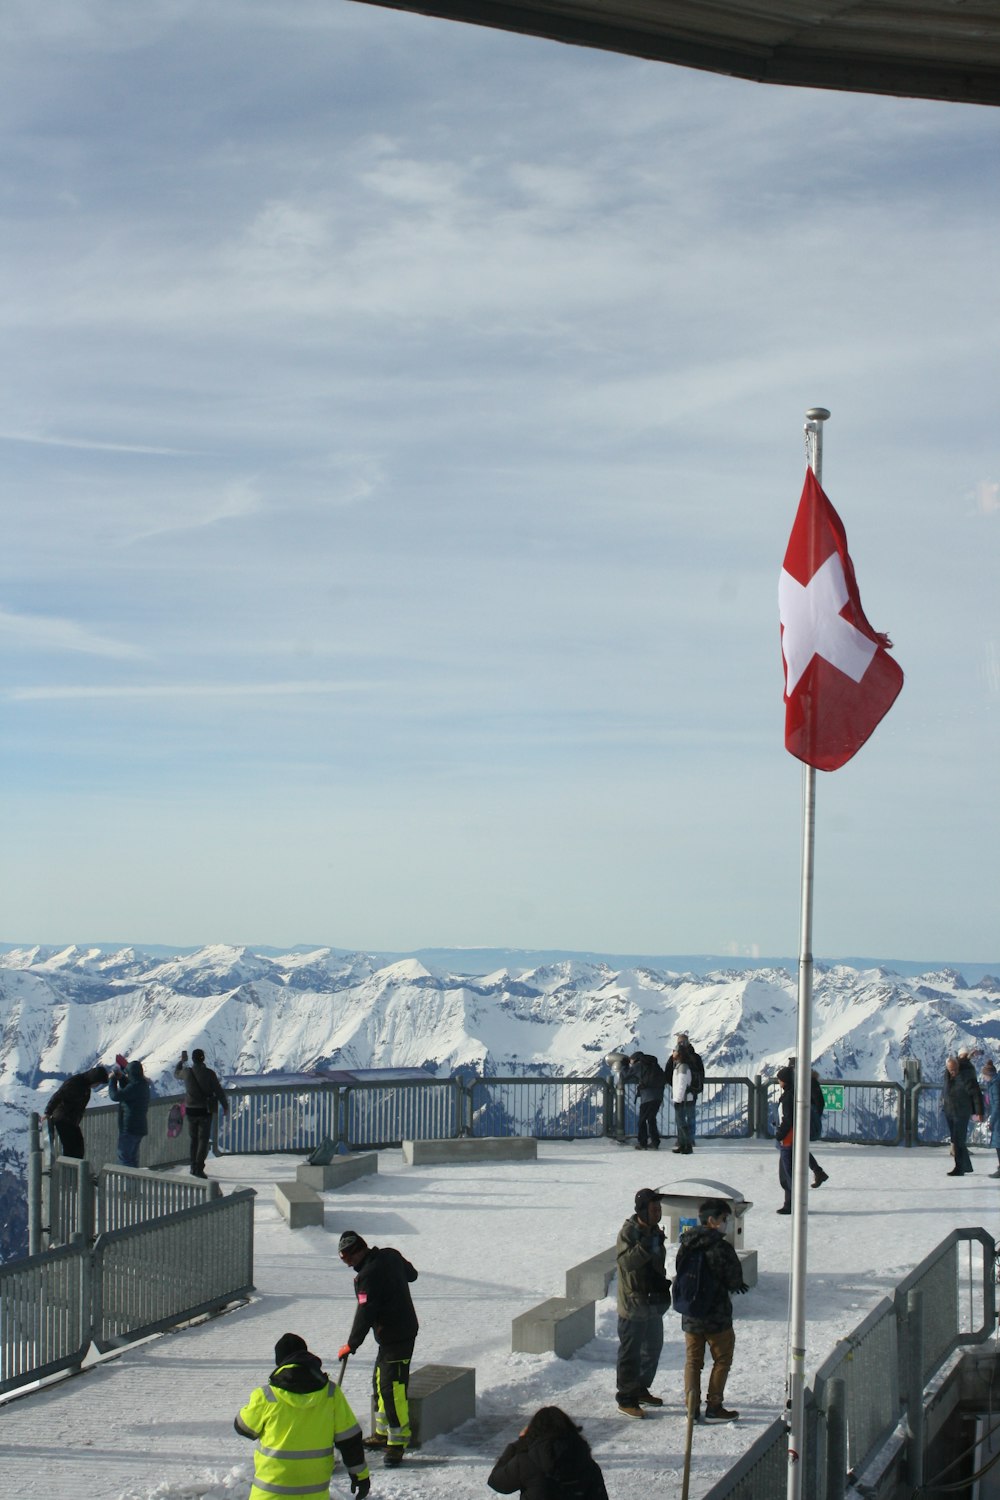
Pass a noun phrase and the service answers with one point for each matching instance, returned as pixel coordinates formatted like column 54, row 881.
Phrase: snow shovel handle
column 343, row 1368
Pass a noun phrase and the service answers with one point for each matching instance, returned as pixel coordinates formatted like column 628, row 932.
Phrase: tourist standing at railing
column 203, row 1095
column 961, row 1102
column 685, row 1089
column 783, row 1133
column 297, row 1420
column 644, row 1071
column 66, row 1108
column 991, row 1107
column 382, row 1287
column 128, row 1087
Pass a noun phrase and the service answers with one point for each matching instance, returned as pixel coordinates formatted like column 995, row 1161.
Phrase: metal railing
column 874, row 1112
column 131, row 1283
column 84, row 1205
column 547, row 1108
column 165, row 1271
column 387, row 1114
column 877, row 1373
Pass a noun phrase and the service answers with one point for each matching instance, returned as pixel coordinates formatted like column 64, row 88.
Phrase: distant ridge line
column 475, row 961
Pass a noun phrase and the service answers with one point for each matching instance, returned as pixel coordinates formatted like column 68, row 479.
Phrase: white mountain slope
column 254, row 1013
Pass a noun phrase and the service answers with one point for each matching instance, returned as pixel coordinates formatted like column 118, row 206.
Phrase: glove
column 360, row 1487
column 741, row 1288
column 343, row 1352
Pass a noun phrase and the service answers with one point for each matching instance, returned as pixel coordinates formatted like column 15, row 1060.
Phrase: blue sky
column 401, row 431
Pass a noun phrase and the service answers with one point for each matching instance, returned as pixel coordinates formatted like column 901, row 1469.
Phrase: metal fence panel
column 546, row 1108
column 278, row 1117
column 155, row 1275
column 44, row 1324
column 388, row 1114
column 873, row 1112
column 131, row 1195
column 762, row 1472
column 867, row 1360
column 959, row 1299
column 724, row 1110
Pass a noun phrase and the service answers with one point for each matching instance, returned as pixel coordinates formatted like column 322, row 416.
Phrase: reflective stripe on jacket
column 296, row 1433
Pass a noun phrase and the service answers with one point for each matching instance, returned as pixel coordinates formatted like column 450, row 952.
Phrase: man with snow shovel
column 382, row 1287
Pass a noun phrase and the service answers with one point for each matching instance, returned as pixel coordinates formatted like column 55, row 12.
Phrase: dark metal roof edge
column 793, row 67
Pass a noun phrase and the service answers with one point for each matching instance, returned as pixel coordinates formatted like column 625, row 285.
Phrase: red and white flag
column 840, row 680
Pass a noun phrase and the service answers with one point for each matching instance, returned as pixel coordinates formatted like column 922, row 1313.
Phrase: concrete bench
column 559, row 1326
column 298, row 1204
column 335, row 1173
column 748, row 1260
column 591, row 1279
column 468, row 1148
column 441, row 1398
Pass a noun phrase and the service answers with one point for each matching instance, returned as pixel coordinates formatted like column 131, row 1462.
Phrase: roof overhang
column 925, row 49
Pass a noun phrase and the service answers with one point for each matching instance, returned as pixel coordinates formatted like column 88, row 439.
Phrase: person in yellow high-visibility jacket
column 297, row 1420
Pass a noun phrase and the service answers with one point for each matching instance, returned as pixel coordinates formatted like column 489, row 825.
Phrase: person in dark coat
column 817, row 1108
column 66, row 1108
column 783, row 1134
column 961, row 1101
column 382, row 1287
column 991, row 1107
column 129, row 1089
column 645, row 1072
column 551, row 1457
column 643, row 1300
column 685, row 1074
column 714, row 1328
column 203, row 1095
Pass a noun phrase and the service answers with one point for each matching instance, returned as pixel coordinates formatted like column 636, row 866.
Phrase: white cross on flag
column 840, row 680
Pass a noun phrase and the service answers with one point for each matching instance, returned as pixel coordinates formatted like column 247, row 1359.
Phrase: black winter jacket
column 72, row 1097
column 202, row 1089
column 545, row 1469
column 382, row 1287
column 724, row 1264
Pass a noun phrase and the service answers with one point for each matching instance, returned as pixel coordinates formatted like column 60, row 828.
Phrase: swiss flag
column 840, row 680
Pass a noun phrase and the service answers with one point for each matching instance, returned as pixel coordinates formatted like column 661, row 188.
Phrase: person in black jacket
column 65, row 1109
column 550, row 1458
column 382, row 1287
column 961, row 1101
column 129, row 1088
column 783, row 1134
column 714, row 1327
column 203, row 1095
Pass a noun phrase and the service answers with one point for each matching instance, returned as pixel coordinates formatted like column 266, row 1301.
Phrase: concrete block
column 748, row 1260
column 468, row 1148
column 558, row 1326
column 590, row 1280
column 441, row 1398
column 335, row 1173
column 298, row 1204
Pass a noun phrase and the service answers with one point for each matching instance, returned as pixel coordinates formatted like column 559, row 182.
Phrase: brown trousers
column 721, row 1346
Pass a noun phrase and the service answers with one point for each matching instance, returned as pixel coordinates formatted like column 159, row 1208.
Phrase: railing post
column 760, row 1091
column 836, row 1439
column 85, row 1214
column 915, row 1388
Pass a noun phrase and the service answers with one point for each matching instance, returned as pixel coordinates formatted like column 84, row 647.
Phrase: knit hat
column 785, row 1075
column 351, row 1240
column 287, row 1345
column 197, row 1056
column 644, row 1197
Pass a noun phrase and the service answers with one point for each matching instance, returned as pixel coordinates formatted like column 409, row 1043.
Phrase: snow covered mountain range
column 263, row 1013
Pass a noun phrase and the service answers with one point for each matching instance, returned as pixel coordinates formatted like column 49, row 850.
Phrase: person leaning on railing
column 66, row 1108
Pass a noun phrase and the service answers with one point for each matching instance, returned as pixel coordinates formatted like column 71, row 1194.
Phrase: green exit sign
column 833, row 1093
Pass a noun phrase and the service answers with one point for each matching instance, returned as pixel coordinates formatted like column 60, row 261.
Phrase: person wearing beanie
column 203, row 1095
column 65, row 1109
column 128, row 1087
column 382, row 1286
column 297, row 1420
column 643, row 1298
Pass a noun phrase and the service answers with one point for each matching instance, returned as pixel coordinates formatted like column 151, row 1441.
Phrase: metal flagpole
column 815, row 417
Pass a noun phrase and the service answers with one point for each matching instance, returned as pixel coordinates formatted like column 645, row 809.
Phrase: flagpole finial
column 817, row 414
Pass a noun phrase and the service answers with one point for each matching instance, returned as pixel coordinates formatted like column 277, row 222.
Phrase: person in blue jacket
column 991, row 1103
column 129, row 1089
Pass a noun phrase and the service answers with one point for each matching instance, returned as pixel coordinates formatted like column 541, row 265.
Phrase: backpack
column 651, row 1075
column 694, row 1285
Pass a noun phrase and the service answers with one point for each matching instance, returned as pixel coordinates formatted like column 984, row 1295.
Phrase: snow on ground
column 489, row 1240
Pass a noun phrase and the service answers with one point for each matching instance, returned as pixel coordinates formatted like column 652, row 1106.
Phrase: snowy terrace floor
column 489, row 1241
